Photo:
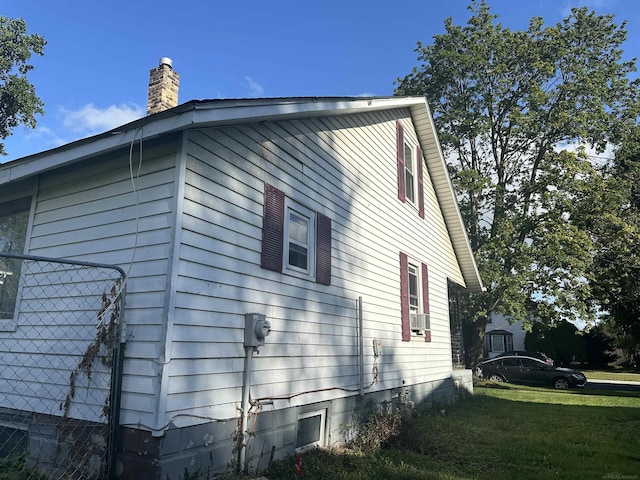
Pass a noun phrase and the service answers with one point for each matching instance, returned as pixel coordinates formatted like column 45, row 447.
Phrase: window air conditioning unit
column 420, row 321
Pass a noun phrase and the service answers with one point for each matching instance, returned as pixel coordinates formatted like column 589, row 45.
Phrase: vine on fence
column 108, row 316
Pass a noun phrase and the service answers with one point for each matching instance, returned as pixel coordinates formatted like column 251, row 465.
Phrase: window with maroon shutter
column 410, row 171
column 295, row 239
column 425, row 301
column 272, row 228
column 414, row 299
column 323, row 249
column 404, row 297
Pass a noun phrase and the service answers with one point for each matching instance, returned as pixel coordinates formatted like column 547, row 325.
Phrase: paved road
column 613, row 385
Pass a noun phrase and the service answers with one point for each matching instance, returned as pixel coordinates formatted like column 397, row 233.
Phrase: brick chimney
column 163, row 87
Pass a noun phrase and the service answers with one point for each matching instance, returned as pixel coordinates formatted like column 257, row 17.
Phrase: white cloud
column 256, row 90
column 66, row 125
column 89, row 119
column 45, row 136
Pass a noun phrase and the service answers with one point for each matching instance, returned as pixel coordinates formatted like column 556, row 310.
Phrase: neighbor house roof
column 211, row 113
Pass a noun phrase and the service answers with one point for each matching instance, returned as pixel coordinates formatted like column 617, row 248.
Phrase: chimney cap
column 166, row 61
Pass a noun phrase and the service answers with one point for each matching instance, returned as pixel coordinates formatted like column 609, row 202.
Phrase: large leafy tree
column 19, row 103
column 615, row 275
column 507, row 106
column 561, row 342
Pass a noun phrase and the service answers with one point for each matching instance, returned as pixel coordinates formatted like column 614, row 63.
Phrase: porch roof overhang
column 498, row 332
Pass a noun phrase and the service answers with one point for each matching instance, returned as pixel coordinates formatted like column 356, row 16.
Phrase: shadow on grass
column 498, row 434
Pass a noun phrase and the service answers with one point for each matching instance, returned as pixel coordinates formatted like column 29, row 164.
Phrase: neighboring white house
column 502, row 336
column 335, row 218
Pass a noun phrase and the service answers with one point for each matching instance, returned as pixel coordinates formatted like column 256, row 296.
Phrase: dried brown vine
column 105, row 337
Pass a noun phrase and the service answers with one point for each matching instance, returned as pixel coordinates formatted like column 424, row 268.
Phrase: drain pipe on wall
column 246, row 387
column 360, row 347
column 256, row 328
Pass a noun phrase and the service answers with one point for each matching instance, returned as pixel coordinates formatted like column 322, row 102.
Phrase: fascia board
column 188, row 116
column 445, row 192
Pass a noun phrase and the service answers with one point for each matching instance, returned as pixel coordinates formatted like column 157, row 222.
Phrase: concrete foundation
column 205, row 450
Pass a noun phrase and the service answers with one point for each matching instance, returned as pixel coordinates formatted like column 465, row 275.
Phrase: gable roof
column 211, row 113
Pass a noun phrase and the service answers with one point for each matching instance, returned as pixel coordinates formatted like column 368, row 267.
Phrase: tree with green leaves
column 615, row 276
column 508, row 106
column 19, row 103
column 562, row 342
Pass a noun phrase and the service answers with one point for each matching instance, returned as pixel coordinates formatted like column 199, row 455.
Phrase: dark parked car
column 531, row 371
column 527, row 353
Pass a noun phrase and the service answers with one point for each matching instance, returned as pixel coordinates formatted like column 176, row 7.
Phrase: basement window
column 310, row 430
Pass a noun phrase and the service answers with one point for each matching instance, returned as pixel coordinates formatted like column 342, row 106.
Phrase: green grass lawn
column 612, row 375
column 503, row 432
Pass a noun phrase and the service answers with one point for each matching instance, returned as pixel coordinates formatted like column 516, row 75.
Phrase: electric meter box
column 256, row 328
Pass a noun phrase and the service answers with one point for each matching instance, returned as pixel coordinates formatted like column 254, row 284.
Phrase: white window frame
column 413, row 171
column 415, row 266
column 321, row 440
column 292, row 207
column 497, row 343
column 508, row 343
column 503, row 340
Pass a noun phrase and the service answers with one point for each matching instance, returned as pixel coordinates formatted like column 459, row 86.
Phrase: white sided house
column 330, row 225
column 501, row 335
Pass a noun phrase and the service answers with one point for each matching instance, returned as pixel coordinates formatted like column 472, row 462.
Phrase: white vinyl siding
column 88, row 212
column 345, row 168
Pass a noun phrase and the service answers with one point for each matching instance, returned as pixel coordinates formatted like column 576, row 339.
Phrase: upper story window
column 414, row 299
column 410, row 171
column 14, row 218
column 295, row 239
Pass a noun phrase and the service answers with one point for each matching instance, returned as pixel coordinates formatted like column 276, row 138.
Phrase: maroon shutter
column 323, row 249
column 425, row 297
column 272, row 228
column 419, row 162
column 404, row 297
column 400, row 157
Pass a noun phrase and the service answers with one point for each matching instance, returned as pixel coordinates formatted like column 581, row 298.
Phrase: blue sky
column 95, row 70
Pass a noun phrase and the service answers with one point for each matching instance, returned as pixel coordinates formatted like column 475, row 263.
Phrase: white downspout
column 256, row 328
column 360, row 347
column 246, row 388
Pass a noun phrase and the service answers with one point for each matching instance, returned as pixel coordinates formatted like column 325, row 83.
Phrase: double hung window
column 414, row 299
column 295, row 239
column 414, row 293
column 299, row 234
column 410, row 181
column 498, row 341
column 409, row 174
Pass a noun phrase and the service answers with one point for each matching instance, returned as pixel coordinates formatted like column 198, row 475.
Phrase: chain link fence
column 60, row 367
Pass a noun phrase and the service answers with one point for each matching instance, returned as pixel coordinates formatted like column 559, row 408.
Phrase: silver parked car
column 531, row 371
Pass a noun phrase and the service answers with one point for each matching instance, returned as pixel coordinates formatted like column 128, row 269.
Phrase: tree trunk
column 474, row 342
